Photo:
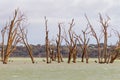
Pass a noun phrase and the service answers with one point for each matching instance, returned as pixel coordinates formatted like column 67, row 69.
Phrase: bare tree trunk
column 61, row 58
column 23, row 36
column 47, row 48
column 3, row 35
column 115, row 54
column 10, row 39
column 113, row 58
column 69, row 57
column 58, row 52
column 105, row 47
column 83, row 54
column 96, row 37
column 99, row 52
column 74, row 53
column 85, row 44
column 71, row 43
column 86, row 54
column 52, row 54
column 47, row 42
column 105, row 25
column 2, row 51
column 29, row 50
column 58, row 44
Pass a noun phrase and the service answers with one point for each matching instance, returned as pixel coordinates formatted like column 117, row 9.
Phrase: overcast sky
column 59, row 11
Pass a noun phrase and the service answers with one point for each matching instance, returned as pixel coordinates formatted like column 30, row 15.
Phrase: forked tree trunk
column 72, row 44
column 74, row 53
column 29, row 51
column 115, row 54
column 85, row 42
column 113, row 57
column 97, row 39
column 23, row 36
column 105, row 26
column 69, row 56
column 10, row 39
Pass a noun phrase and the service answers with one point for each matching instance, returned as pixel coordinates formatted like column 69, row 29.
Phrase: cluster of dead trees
column 72, row 41
column 16, row 33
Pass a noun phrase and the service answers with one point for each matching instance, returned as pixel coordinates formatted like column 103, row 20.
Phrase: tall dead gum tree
column 96, row 37
column 71, row 43
column 84, row 44
column 23, row 36
column 13, row 37
column 110, row 56
column 47, row 42
column 3, row 31
column 52, row 52
column 105, row 24
column 58, row 41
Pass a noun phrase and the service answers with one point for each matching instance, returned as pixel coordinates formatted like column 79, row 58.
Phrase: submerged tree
column 71, row 43
column 47, row 42
column 105, row 25
column 24, row 39
column 83, row 42
column 3, row 31
column 98, row 38
column 58, row 41
column 13, row 37
column 115, row 51
column 53, row 54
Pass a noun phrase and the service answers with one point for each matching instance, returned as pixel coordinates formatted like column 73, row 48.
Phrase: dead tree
column 83, row 42
column 14, row 32
column 3, row 31
column 105, row 25
column 47, row 43
column 84, row 45
column 96, row 37
column 52, row 53
column 23, row 36
column 71, row 43
column 58, row 41
column 74, row 50
column 13, row 39
column 118, row 36
column 114, row 55
column 72, row 47
column 116, row 52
